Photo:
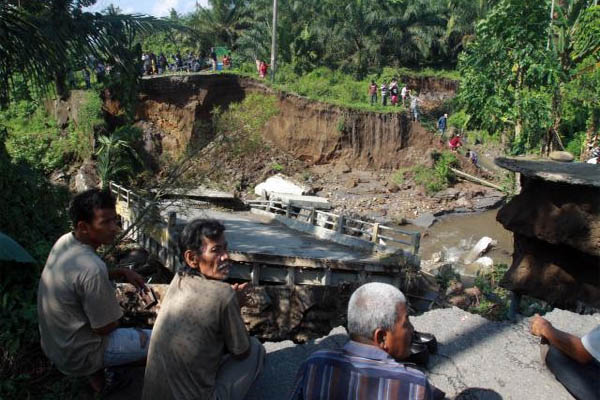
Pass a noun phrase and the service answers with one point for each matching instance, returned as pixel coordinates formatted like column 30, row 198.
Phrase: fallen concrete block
column 281, row 184
column 480, row 248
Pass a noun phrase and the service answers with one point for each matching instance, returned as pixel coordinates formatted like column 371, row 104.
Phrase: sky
column 157, row 8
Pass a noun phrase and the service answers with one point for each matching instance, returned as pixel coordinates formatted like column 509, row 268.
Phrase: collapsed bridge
column 301, row 283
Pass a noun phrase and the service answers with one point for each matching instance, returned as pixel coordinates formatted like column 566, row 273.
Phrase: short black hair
column 83, row 205
column 194, row 231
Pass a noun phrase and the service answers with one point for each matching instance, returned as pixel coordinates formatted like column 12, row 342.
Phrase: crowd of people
column 156, row 65
column 199, row 347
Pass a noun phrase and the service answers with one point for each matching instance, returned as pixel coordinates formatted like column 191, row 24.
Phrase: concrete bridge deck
column 255, row 234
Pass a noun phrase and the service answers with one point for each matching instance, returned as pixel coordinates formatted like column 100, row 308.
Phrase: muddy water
column 464, row 230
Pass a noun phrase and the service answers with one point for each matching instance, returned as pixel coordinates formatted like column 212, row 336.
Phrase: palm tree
column 220, row 22
column 40, row 38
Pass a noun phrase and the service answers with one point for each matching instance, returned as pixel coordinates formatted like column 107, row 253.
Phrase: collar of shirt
column 366, row 351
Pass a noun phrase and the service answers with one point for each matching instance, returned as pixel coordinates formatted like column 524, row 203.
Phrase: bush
column 35, row 138
column 33, row 214
column 242, row 124
column 440, row 176
column 575, row 145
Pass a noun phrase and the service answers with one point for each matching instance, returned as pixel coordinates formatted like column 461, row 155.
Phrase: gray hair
column 372, row 306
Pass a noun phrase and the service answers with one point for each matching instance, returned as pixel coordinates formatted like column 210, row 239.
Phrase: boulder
column 484, row 262
column 563, row 156
column 480, row 248
column 86, row 177
column 423, row 220
column 281, row 184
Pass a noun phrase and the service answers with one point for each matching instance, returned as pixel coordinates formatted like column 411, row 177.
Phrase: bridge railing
column 370, row 231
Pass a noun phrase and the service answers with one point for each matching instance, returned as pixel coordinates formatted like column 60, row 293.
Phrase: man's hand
column 129, row 276
column 242, row 293
column 540, row 326
column 143, row 338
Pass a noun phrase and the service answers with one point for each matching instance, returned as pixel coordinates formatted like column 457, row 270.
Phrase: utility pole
column 551, row 19
column 274, row 42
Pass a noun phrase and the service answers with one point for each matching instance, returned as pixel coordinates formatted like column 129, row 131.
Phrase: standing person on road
column 373, row 92
column 574, row 361
column 442, row 125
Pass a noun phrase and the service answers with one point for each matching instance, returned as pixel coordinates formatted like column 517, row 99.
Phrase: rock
column 447, row 194
column 342, row 167
column 484, row 262
column 281, row 184
column 460, row 301
column 563, row 156
column 424, row 220
column 351, row 182
column 59, row 178
column 86, row 177
column 455, row 288
column 463, row 202
column 481, row 247
column 488, row 201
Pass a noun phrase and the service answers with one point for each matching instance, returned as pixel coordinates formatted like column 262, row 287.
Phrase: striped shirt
column 359, row 371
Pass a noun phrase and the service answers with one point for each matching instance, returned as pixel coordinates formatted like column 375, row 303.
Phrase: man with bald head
column 370, row 365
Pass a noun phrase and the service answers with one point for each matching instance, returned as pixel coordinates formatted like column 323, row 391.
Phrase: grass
column 337, row 88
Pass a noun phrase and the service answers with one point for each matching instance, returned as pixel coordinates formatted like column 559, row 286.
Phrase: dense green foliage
column 356, row 37
column 521, row 76
column 35, row 138
column 33, row 213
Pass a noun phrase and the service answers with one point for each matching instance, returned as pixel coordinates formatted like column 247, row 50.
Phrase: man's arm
column 128, row 275
column 569, row 344
column 106, row 329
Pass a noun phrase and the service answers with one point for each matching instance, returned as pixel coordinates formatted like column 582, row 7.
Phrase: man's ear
column 190, row 257
column 81, row 227
column 379, row 338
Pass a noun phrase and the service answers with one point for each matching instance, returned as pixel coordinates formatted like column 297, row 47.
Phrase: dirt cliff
column 308, row 130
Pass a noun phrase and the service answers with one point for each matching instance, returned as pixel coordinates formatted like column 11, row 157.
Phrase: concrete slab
column 574, row 173
column 248, row 233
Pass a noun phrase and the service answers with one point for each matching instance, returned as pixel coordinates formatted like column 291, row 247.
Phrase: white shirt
column 591, row 342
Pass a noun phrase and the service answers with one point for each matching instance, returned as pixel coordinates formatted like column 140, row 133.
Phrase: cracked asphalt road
column 500, row 359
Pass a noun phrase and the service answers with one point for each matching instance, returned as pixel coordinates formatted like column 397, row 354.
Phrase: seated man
column 574, row 361
column 78, row 312
column 369, row 366
column 200, row 348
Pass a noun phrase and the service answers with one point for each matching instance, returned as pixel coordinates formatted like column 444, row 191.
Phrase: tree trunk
column 60, row 80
